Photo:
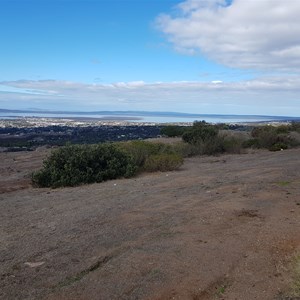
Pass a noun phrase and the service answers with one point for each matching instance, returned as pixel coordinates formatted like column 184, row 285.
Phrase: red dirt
column 220, row 228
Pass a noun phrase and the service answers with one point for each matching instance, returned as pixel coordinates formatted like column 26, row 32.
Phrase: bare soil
column 221, row 227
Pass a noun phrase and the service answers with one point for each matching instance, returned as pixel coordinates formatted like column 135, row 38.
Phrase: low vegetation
column 174, row 130
column 293, row 291
column 273, row 138
column 73, row 165
column 210, row 140
column 80, row 164
column 163, row 162
column 140, row 151
column 296, row 282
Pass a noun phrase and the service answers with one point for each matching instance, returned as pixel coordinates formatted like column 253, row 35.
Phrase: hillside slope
column 222, row 227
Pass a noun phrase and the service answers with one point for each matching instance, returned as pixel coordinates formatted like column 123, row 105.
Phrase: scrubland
column 221, row 226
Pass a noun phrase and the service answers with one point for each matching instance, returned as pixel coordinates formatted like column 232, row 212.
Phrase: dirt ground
column 222, row 227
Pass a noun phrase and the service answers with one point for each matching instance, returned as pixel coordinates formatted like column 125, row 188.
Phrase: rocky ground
column 224, row 227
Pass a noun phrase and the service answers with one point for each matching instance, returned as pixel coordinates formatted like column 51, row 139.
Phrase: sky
column 192, row 56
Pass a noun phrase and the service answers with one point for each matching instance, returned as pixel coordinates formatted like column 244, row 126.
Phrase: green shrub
column 251, row 143
column 274, row 138
column 163, row 162
column 185, row 149
column 223, row 126
column 200, row 133
column 173, row 130
column 79, row 164
column 211, row 146
column 233, row 145
column 283, row 129
column 139, row 151
column 266, row 136
column 204, row 138
column 278, row 147
column 295, row 126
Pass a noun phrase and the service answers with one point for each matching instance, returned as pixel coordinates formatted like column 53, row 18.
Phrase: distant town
column 28, row 133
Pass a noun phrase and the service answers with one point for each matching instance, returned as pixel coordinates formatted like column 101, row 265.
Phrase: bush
column 233, row 145
column 185, row 149
column 295, row 126
column 283, row 129
column 139, row 151
column 79, row 164
column 266, row 136
column 278, row 147
column 173, row 130
column 212, row 146
column 163, row 162
column 273, row 138
column 200, row 133
column 251, row 143
column 204, row 137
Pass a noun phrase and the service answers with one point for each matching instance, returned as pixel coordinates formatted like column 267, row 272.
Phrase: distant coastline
column 142, row 116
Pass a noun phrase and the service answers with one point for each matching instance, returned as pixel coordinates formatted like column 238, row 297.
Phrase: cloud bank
column 257, row 34
column 269, row 96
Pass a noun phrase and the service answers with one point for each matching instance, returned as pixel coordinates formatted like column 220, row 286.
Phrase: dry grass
column 295, row 286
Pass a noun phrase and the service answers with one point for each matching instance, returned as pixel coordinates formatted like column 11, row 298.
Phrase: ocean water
column 208, row 118
column 152, row 118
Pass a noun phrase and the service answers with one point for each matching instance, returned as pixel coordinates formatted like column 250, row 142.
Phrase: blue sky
column 198, row 56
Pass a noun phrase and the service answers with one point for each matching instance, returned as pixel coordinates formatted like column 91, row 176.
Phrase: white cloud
column 258, row 34
column 20, row 90
column 270, row 96
column 131, row 84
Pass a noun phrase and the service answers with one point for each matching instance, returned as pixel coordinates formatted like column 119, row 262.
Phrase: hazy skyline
column 194, row 56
